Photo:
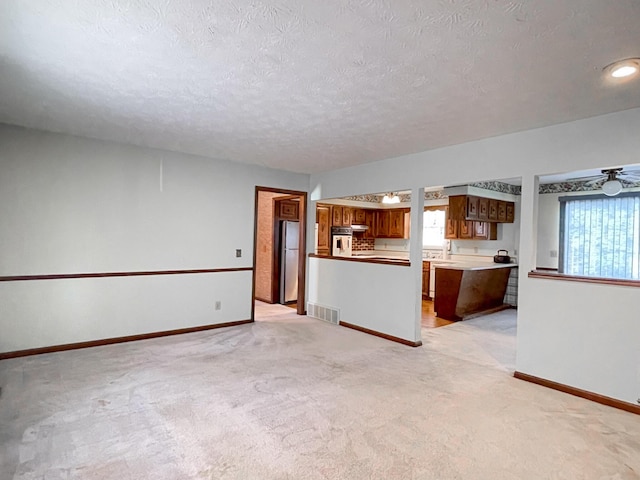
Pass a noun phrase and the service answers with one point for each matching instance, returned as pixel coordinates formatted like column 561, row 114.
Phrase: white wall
column 370, row 295
column 73, row 205
column 569, row 317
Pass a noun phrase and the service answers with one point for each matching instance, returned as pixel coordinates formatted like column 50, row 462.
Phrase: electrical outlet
column 238, row 252
column 553, row 254
column 218, row 305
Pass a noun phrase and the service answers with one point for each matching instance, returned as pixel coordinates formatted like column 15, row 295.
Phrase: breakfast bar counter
column 464, row 290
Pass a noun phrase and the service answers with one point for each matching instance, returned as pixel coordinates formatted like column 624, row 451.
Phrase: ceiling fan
column 611, row 180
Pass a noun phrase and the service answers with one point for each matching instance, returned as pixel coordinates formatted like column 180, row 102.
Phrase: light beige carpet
column 295, row 398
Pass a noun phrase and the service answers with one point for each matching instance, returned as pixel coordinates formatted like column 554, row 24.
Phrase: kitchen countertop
column 472, row 266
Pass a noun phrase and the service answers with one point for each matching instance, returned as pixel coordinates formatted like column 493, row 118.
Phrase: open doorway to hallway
column 279, row 251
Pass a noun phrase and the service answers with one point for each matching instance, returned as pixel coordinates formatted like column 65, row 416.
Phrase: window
column 600, row 236
column 433, row 228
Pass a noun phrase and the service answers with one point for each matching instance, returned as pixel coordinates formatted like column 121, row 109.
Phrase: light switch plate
column 238, row 252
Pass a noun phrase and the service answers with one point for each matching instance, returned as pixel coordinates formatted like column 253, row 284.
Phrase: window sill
column 549, row 275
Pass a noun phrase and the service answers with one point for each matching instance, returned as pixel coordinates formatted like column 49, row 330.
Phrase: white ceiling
column 310, row 86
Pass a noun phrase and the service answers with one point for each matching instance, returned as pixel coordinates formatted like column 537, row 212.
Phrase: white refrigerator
column 289, row 262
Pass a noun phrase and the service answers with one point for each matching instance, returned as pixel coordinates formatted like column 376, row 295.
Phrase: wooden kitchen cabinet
column 511, row 211
column 485, row 230
column 426, row 278
column 472, row 208
column 370, row 221
column 392, row 223
column 502, row 211
column 346, row 216
column 288, row 209
column 483, row 209
column 493, row 210
column 323, row 218
column 382, row 223
column 470, row 230
column 451, row 229
column 336, row 216
column 465, row 229
column 359, row 216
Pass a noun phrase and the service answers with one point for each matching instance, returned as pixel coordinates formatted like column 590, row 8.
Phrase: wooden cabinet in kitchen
column 426, row 278
column 392, row 223
column 485, row 230
column 382, row 223
column 465, row 229
column 336, row 216
column 370, row 221
column 469, row 207
column 470, row 230
column 288, row 209
column 472, row 208
column 399, row 223
column 483, row 209
column 451, row 229
column 359, row 216
column 323, row 218
column 511, row 210
column 493, row 210
column 346, row 216
column 502, row 211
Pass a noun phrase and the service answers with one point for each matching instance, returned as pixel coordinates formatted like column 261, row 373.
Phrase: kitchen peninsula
column 464, row 290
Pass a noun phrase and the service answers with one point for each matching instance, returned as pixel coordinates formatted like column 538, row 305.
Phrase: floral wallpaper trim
column 564, row 187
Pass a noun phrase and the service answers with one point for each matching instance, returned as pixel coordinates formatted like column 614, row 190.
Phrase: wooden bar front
column 463, row 293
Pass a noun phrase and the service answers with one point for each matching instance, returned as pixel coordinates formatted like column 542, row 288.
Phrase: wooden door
column 288, row 209
column 472, row 208
column 359, row 216
column 451, row 229
column 511, row 210
column 346, row 216
column 493, row 210
column 382, row 223
column 336, row 216
column 466, row 229
column 323, row 217
column 483, row 209
column 396, row 223
column 370, row 221
column 502, row 211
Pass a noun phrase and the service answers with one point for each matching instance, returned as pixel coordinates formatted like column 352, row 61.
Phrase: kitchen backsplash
column 362, row 244
column 395, row 244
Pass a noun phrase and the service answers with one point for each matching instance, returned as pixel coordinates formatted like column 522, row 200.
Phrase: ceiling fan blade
column 591, row 178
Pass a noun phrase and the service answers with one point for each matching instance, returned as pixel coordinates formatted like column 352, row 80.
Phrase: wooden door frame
column 302, row 249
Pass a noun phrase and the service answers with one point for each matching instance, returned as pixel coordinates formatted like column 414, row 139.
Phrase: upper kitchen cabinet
column 392, row 223
column 347, row 213
column 336, row 216
column 359, row 216
column 470, row 207
column 288, row 209
column 370, row 221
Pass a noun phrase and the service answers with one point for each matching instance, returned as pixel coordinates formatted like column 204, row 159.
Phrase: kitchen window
column 600, row 236
column 433, row 228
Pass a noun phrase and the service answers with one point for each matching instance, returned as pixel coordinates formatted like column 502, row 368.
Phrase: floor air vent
column 328, row 314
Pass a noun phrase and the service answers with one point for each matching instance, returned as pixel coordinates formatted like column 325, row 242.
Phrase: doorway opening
column 279, row 252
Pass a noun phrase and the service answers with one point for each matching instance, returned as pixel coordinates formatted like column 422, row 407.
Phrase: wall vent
column 321, row 312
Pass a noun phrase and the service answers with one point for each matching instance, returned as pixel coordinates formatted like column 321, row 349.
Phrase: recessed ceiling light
column 623, row 68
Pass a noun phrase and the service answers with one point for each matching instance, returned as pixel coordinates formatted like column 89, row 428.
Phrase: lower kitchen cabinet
column 426, row 278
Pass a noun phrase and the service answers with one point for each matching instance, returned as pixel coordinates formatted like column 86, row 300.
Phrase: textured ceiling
column 310, row 86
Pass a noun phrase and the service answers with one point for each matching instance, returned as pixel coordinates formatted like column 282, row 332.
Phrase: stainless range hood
column 359, row 228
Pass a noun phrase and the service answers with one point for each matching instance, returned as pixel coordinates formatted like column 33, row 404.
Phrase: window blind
column 600, row 236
